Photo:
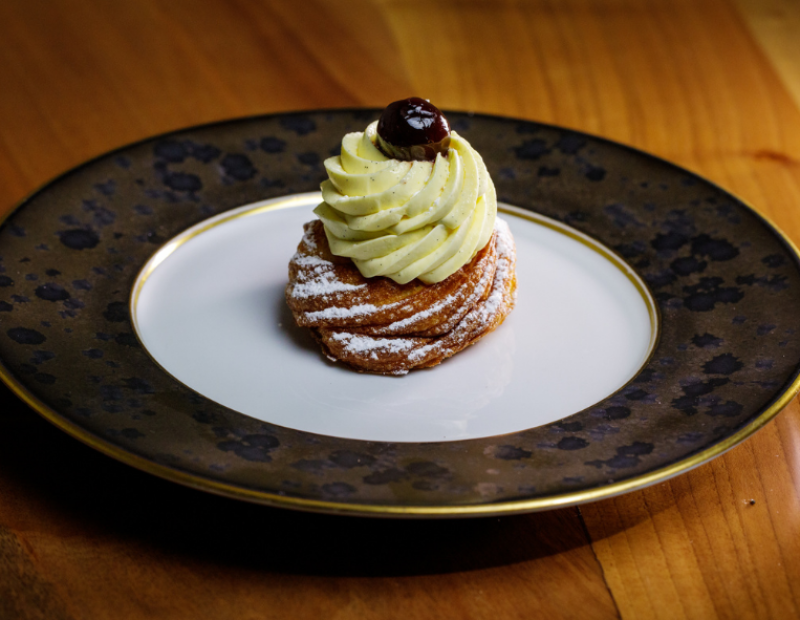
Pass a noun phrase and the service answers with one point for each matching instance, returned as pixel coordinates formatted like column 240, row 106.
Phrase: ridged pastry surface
column 377, row 325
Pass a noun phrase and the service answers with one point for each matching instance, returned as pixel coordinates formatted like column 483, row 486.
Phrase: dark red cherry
column 413, row 129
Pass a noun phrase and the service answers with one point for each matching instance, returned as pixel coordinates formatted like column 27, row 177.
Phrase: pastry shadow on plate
column 299, row 336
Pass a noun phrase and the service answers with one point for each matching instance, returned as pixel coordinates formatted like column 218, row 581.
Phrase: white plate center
column 209, row 308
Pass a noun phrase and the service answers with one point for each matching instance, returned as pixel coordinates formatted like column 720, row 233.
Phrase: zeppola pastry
column 407, row 264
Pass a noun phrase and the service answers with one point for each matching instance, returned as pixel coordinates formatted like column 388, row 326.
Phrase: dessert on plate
column 407, row 264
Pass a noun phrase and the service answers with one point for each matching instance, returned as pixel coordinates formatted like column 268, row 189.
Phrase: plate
column 726, row 283
column 209, row 307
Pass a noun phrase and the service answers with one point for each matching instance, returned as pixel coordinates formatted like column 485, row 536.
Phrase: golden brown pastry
column 377, row 325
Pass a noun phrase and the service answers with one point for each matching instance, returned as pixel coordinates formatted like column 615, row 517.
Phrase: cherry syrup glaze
column 413, row 129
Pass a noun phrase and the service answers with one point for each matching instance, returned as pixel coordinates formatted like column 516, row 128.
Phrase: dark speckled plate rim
column 782, row 398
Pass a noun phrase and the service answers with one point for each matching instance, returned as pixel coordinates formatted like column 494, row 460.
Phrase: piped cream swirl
column 407, row 219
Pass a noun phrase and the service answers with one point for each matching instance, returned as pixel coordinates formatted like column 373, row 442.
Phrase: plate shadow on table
column 85, row 491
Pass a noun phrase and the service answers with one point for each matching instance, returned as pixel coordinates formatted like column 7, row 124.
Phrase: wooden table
column 713, row 85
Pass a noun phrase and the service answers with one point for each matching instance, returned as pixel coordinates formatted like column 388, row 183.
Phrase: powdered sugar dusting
column 335, row 312
column 308, row 238
column 421, row 316
column 504, row 271
column 366, row 345
column 481, row 316
column 458, row 299
column 324, row 281
column 309, row 260
column 321, row 286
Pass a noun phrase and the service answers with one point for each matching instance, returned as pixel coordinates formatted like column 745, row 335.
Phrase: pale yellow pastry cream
column 407, row 219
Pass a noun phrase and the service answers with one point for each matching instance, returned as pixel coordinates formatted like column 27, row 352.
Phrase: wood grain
column 775, row 24
column 719, row 542
column 709, row 84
